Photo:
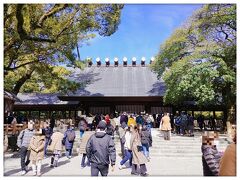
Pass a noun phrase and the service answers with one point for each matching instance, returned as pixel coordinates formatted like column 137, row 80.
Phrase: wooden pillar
column 147, row 108
column 112, row 109
column 75, row 114
column 214, row 114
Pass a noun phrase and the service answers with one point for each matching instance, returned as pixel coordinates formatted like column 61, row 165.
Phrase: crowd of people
column 97, row 142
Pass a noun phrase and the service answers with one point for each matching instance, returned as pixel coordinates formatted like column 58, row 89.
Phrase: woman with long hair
column 137, row 151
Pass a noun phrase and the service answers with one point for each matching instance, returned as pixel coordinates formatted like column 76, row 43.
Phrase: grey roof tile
column 118, row 81
column 105, row 81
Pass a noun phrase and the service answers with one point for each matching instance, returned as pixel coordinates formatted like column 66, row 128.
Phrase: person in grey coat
column 121, row 132
column 100, row 148
column 68, row 140
column 210, row 154
column 23, row 142
column 146, row 140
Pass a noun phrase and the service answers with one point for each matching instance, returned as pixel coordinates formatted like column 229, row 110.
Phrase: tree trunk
column 21, row 82
column 78, row 53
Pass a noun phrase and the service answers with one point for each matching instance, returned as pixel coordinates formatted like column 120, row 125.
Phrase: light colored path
column 181, row 157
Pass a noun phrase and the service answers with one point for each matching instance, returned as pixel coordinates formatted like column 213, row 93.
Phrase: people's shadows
column 11, row 172
column 46, row 167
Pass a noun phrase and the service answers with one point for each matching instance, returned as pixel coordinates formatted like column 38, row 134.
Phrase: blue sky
column 142, row 29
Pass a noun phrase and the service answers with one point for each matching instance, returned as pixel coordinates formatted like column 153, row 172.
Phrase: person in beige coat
column 228, row 160
column 56, row 147
column 138, row 158
column 82, row 147
column 166, row 126
column 36, row 146
column 5, row 142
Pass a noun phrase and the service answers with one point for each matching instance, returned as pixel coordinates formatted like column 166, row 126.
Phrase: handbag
column 63, row 142
column 139, row 148
column 50, row 141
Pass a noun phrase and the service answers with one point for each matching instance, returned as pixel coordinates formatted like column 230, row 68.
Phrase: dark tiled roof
column 118, row 81
column 11, row 96
column 40, row 98
column 105, row 81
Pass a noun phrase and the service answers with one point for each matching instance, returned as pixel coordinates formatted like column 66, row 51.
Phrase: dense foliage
column 198, row 61
column 38, row 38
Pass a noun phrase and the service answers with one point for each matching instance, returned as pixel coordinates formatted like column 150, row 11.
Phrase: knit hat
column 102, row 125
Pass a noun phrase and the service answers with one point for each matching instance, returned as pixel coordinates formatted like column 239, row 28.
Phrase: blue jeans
column 127, row 156
column 68, row 152
column 46, row 145
column 145, row 150
column 83, row 164
column 149, row 126
column 81, row 133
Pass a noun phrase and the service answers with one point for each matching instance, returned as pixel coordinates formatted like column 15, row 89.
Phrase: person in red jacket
column 107, row 119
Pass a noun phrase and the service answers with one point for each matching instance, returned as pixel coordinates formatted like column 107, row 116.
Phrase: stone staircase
column 177, row 147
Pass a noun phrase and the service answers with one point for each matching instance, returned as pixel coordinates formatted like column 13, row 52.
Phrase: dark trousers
column 23, row 154
column 177, row 129
column 95, row 169
column 83, row 164
column 68, row 152
column 46, row 145
column 143, row 169
column 122, row 147
column 128, row 156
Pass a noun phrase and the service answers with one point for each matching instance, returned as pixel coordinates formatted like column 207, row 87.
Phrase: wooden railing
column 14, row 129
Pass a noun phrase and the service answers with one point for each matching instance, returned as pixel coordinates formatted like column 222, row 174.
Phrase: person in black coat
column 95, row 121
column 47, row 131
column 101, row 151
column 123, row 118
column 52, row 122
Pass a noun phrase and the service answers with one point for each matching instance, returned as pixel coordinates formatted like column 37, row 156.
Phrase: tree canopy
column 39, row 38
column 198, row 61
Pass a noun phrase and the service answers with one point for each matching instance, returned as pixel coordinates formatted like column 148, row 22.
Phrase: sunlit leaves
column 46, row 36
column 198, row 61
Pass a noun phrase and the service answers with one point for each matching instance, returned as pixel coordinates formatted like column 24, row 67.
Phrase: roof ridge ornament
column 107, row 62
column 143, row 61
column 134, row 59
column 152, row 60
column 98, row 60
column 125, row 61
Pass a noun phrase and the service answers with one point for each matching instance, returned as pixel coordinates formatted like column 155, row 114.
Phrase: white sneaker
column 23, row 172
column 120, row 167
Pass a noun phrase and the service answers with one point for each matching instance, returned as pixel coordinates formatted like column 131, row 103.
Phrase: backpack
column 110, row 130
column 144, row 138
column 178, row 121
column 184, row 120
column 70, row 135
column 20, row 139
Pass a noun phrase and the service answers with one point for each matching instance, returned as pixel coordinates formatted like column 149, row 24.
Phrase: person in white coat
column 127, row 149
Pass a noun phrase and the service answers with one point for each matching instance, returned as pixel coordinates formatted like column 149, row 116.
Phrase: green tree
column 40, row 37
column 198, row 61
